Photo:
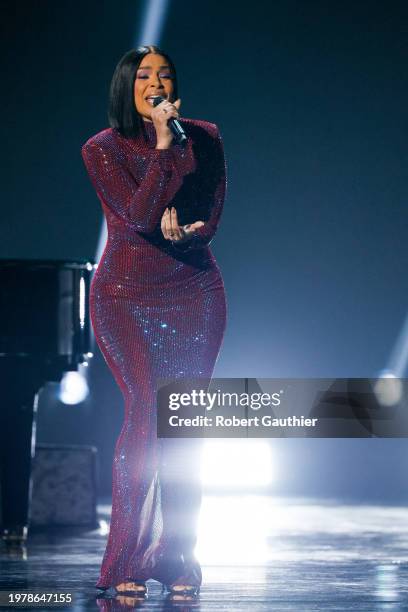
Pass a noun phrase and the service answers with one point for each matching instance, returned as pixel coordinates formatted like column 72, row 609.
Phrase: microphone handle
column 177, row 130
column 174, row 125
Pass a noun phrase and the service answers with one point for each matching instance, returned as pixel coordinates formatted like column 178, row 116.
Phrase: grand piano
column 44, row 331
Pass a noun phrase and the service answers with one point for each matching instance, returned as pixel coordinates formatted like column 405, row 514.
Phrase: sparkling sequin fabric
column 158, row 310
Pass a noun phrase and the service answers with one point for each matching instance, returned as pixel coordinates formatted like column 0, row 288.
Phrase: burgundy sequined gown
column 158, row 310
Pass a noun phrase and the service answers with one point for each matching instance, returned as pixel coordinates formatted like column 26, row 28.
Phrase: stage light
column 398, row 361
column 103, row 527
column 153, row 22
column 388, row 389
column 233, row 530
column 236, row 464
column 73, row 388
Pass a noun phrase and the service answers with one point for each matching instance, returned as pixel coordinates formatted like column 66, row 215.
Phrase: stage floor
column 258, row 553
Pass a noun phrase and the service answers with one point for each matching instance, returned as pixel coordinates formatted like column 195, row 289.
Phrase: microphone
column 174, row 124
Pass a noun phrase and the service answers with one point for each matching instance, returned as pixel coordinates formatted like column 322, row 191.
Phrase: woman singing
column 158, row 310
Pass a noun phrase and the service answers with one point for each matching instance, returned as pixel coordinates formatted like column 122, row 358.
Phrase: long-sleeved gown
column 158, row 310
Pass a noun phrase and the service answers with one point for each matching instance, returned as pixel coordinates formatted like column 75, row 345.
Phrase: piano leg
column 18, row 428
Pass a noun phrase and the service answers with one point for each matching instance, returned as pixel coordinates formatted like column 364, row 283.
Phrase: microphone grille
column 157, row 100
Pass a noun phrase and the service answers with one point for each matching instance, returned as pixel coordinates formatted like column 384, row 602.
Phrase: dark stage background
column 311, row 100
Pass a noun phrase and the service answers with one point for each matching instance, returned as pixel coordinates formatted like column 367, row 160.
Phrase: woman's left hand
column 175, row 232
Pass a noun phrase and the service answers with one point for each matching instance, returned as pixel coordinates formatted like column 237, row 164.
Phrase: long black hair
column 122, row 112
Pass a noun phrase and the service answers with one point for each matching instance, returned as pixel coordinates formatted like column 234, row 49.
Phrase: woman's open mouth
column 150, row 99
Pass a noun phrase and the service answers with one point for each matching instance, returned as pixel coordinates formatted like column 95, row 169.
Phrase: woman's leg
column 119, row 332
column 200, row 331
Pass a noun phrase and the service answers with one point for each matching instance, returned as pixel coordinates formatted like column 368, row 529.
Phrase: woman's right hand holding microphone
column 160, row 116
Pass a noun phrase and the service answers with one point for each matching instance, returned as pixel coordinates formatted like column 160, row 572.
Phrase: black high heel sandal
column 140, row 588
column 183, row 577
column 184, row 590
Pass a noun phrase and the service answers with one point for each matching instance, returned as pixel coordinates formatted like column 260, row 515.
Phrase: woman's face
column 153, row 77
